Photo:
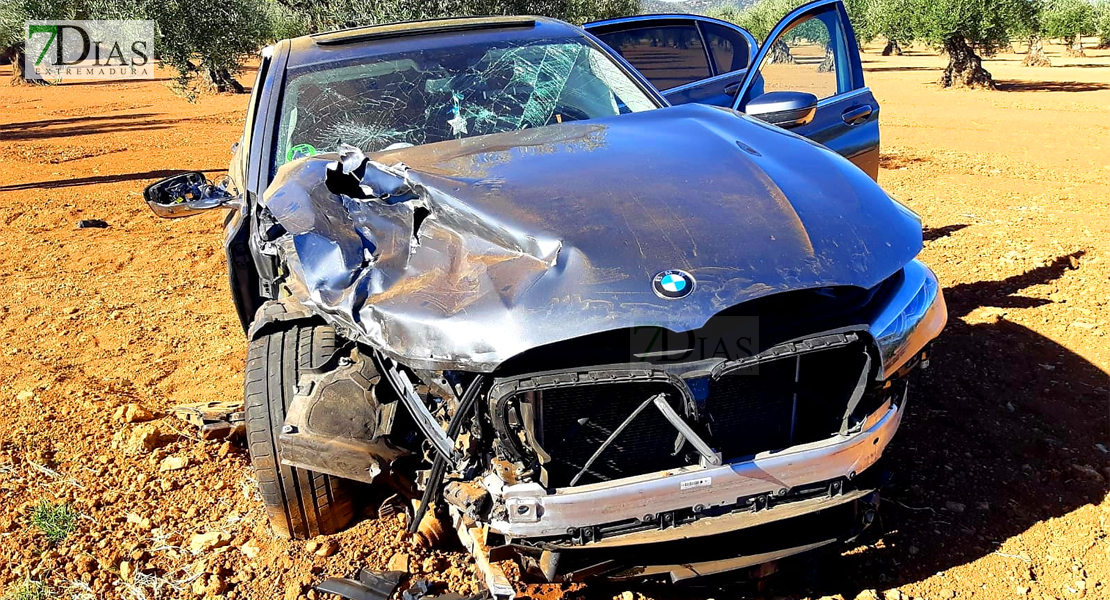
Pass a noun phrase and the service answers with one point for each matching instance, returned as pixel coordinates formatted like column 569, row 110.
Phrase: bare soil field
column 1001, row 463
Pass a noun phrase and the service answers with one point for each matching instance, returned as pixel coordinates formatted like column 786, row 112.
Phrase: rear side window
column 729, row 48
column 668, row 56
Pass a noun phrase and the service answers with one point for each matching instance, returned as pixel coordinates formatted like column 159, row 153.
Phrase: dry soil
column 1001, row 464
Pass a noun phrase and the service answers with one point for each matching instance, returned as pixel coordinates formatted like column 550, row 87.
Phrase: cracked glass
column 381, row 102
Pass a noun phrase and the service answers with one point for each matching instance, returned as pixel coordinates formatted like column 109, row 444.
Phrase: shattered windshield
column 419, row 97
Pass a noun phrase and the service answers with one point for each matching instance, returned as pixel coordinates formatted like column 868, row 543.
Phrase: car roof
column 414, row 35
column 655, row 18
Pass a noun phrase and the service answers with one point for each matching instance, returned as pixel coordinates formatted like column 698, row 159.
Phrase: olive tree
column 13, row 15
column 1102, row 23
column 210, row 38
column 1069, row 20
column 1032, row 30
column 961, row 28
column 213, row 37
column 891, row 19
column 759, row 19
column 316, row 15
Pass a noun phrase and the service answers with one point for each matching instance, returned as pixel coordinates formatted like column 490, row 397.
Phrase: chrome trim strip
column 845, row 96
column 700, row 82
column 634, row 497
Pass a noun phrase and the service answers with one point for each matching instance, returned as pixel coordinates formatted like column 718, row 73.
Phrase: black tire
column 300, row 504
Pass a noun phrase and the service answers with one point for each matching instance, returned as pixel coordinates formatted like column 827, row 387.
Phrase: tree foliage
column 212, row 38
column 1069, row 20
column 759, row 18
column 891, row 19
column 966, row 28
column 1102, row 23
column 13, row 15
column 315, row 16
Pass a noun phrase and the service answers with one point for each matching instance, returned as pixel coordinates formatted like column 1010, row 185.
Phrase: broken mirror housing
column 187, row 194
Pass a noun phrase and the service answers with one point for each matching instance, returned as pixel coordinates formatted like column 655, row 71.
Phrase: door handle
column 856, row 114
column 732, row 88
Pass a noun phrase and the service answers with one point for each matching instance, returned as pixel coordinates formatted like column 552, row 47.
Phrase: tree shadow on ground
column 935, row 233
column 98, row 180
column 26, row 126
column 82, row 126
column 901, row 68
column 1014, row 85
column 888, row 160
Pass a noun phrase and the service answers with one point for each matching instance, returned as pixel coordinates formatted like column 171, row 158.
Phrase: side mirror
column 784, row 109
column 187, row 194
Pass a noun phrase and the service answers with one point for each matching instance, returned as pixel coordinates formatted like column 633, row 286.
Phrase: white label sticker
column 690, row 484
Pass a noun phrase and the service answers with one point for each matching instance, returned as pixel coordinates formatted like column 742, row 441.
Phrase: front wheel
column 300, row 504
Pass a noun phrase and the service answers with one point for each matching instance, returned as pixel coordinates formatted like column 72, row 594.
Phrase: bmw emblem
column 673, row 284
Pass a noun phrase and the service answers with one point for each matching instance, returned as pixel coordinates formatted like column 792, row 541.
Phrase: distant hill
column 696, row 7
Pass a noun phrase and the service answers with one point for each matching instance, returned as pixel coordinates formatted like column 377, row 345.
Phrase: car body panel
column 859, row 142
column 855, row 139
column 513, row 254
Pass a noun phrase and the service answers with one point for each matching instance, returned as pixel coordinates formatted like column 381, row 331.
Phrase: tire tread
column 300, row 504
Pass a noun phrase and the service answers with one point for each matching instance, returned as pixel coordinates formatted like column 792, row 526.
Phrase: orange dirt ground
column 1001, row 464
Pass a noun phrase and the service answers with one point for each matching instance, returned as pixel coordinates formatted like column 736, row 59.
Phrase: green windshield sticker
column 300, row 151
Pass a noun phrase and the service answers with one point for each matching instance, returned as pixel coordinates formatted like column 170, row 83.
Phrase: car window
column 809, row 57
column 381, row 102
column 668, row 56
column 728, row 48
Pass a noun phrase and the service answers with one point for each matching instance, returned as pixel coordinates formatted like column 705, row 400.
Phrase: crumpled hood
column 528, row 238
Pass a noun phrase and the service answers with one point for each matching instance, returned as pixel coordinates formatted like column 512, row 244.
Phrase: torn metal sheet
column 465, row 253
column 215, row 420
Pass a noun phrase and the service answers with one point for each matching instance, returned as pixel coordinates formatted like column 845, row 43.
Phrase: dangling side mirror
column 187, row 194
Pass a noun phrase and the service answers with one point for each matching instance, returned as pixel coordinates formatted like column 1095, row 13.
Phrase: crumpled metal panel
column 547, row 234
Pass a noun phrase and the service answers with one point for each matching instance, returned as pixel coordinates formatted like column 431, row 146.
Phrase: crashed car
column 608, row 331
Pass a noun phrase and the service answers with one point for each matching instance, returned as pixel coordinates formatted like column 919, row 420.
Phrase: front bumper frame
column 531, row 512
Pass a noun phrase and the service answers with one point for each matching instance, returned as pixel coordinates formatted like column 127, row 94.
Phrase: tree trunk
column 1075, row 48
column 19, row 75
column 892, row 47
column 224, row 82
column 828, row 65
column 780, row 53
column 965, row 68
column 1035, row 57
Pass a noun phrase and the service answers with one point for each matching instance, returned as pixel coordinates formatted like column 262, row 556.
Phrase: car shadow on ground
column 1000, row 434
